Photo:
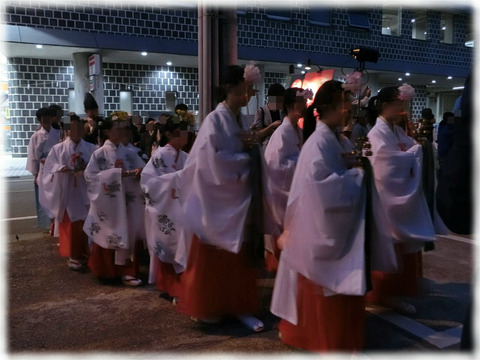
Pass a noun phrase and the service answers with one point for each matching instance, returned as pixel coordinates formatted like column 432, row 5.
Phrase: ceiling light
column 444, row 28
column 434, row 81
column 413, row 20
column 169, row 63
column 407, row 74
column 39, row 46
column 400, row 79
column 458, row 88
column 299, row 65
column 309, row 65
column 144, row 53
column 303, row 71
column 449, row 78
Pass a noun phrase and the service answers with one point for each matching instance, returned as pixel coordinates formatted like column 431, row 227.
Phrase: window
column 391, row 21
column 358, row 19
column 446, row 28
column 320, row 17
column 419, row 25
column 276, row 14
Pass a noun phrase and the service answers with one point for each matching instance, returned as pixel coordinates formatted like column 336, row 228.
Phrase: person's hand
column 282, row 239
column 273, row 126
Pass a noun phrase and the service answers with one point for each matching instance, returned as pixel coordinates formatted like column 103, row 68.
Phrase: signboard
column 94, row 63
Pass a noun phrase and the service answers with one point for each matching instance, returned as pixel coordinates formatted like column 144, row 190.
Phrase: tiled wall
column 105, row 17
column 254, row 28
column 35, row 83
column 149, row 84
column 32, row 84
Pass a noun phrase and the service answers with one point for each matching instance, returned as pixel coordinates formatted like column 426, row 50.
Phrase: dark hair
column 427, row 114
column 232, row 76
column 387, row 94
column 74, row 117
column 42, row 112
column 89, row 102
column 181, row 107
column 170, row 126
column 290, row 98
column 276, row 90
column 326, row 99
column 103, row 123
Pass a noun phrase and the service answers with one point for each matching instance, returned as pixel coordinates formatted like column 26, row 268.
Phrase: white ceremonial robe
column 324, row 224
column 107, row 223
column 40, row 144
column 134, row 194
column 281, row 156
column 399, row 205
column 215, row 184
column 166, row 237
column 65, row 191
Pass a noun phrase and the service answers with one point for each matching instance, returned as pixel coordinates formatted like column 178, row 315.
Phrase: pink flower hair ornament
column 252, row 74
column 407, row 92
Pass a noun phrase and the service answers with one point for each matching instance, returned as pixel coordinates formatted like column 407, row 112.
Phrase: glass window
column 446, row 28
column 320, row 17
column 358, row 19
column 419, row 25
column 391, row 21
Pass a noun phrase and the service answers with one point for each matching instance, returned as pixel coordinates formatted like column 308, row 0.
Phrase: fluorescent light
column 169, row 63
column 458, row 88
column 39, row 46
column 407, row 74
column 144, row 53
column 449, row 78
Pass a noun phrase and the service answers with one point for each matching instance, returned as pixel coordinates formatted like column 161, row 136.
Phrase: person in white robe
column 281, row 156
column 112, row 177
column 399, row 203
column 39, row 146
column 166, row 236
column 220, row 276
column 65, row 192
column 323, row 268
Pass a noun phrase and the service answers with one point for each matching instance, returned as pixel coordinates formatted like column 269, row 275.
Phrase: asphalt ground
column 52, row 310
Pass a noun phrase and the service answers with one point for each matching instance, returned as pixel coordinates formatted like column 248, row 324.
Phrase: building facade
column 431, row 42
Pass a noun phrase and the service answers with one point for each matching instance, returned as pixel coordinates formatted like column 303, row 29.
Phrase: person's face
column 275, row 102
column 345, row 114
column 46, row 122
column 115, row 134
column 392, row 110
column 77, row 130
column 241, row 93
column 177, row 137
column 299, row 107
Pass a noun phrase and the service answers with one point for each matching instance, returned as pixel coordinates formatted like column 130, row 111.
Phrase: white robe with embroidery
column 39, row 146
column 281, row 156
column 324, row 223
column 64, row 191
column 166, row 237
column 215, row 185
column 109, row 222
column 400, row 207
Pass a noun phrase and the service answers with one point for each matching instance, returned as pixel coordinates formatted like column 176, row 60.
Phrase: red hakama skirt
column 406, row 283
column 72, row 239
column 167, row 280
column 102, row 262
column 325, row 323
column 218, row 282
